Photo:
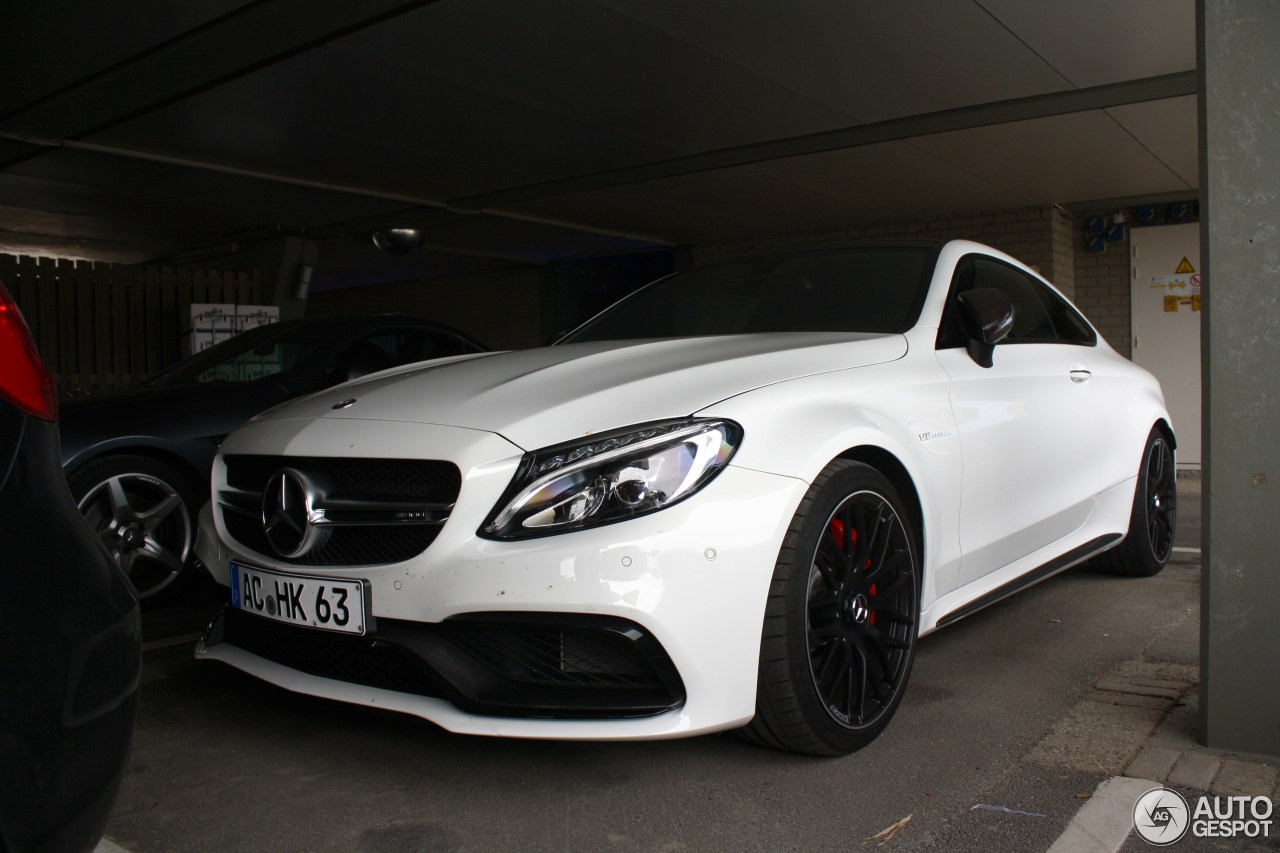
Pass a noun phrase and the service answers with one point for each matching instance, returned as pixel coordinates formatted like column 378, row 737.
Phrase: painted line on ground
column 1104, row 824
column 1179, row 549
column 106, row 845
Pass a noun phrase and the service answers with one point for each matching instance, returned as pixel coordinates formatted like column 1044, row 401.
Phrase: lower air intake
column 511, row 665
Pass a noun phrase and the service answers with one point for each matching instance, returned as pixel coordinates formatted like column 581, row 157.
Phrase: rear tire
column 144, row 512
column 842, row 618
column 1148, row 544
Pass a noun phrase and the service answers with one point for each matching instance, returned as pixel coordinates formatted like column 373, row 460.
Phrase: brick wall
column 1103, row 291
column 1064, row 234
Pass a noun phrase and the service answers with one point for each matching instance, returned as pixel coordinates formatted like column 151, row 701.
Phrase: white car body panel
column 1105, row 513
column 922, row 436
column 1034, row 396
column 529, row 396
column 1014, row 469
column 653, row 570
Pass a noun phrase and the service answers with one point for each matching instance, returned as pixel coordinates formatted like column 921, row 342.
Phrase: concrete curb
column 1172, row 756
column 1169, row 756
column 1104, row 824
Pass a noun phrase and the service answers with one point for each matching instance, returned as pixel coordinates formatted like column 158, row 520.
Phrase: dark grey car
column 69, row 629
column 137, row 461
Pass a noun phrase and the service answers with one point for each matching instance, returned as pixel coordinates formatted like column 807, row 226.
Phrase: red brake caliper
column 837, row 531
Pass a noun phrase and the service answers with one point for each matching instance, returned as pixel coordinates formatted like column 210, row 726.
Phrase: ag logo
column 1161, row 816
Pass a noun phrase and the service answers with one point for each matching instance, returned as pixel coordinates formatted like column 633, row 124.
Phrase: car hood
column 538, row 397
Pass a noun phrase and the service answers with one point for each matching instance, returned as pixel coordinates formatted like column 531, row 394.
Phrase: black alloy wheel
column 861, row 609
column 1161, row 502
column 1148, row 545
column 143, row 511
column 842, row 619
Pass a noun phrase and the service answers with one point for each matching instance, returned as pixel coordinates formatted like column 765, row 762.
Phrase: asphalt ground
column 981, row 756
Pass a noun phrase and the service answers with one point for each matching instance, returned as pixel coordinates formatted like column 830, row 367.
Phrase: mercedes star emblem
column 288, row 514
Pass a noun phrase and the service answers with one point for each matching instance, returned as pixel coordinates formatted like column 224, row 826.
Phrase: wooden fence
column 98, row 326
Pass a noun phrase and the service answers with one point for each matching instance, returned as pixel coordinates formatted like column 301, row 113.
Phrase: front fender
column 193, row 454
column 901, row 408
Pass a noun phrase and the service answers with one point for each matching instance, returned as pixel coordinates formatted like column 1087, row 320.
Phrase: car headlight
column 611, row 477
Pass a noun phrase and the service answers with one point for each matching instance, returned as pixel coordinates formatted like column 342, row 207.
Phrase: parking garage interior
column 511, row 169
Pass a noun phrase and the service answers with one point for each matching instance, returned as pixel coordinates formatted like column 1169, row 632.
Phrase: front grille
column 421, row 480
column 392, row 489
column 347, row 546
column 512, row 665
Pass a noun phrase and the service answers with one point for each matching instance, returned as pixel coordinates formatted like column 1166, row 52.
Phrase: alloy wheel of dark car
column 144, row 513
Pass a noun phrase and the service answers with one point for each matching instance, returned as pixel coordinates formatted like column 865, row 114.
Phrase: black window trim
column 1042, row 288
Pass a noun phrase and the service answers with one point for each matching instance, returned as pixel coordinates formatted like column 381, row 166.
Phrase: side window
column 422, row 344
column 1031, row 320
column 364, row 356
column 1067, row 321
column 1039, row 314
column 392, row 348
column 405, row 346
column 387, row 343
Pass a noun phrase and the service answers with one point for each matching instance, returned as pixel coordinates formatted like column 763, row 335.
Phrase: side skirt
column 1059, row 564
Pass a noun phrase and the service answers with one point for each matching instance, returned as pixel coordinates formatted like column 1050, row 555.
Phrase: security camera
column 397, row 241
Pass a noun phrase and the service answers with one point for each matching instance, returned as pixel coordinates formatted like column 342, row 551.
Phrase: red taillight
column 23, row 380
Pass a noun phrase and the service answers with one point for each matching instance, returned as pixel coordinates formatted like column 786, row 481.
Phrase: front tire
column 144, row 512
column 1147, row 546
column 842, row 618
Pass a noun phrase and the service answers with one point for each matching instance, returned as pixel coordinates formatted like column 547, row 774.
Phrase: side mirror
column 987, row 315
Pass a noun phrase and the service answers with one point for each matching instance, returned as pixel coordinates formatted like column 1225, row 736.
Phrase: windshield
column 866, row 289
column 249, row 356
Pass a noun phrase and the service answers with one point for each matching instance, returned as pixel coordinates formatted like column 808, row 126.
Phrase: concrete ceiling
column 518, row 131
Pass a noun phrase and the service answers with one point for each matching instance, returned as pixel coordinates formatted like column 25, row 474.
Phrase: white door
column 1027, row 432
column 1166, row 324
column 1029, row 425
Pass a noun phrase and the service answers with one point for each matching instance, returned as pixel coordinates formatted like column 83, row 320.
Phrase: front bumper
column 684, row 587
column 547, row 665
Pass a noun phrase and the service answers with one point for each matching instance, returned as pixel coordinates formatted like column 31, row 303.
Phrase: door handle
column 1080, row 374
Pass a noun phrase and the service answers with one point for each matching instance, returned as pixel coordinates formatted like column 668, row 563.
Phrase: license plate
column 328, row 603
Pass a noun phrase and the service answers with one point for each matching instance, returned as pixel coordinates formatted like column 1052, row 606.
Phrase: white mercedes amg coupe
column 734, row 500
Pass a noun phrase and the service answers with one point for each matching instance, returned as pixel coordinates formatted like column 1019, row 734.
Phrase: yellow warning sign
column 1171, row 304
column 1184, row 267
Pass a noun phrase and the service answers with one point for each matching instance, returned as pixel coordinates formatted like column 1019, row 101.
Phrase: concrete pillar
column 1239, row 66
